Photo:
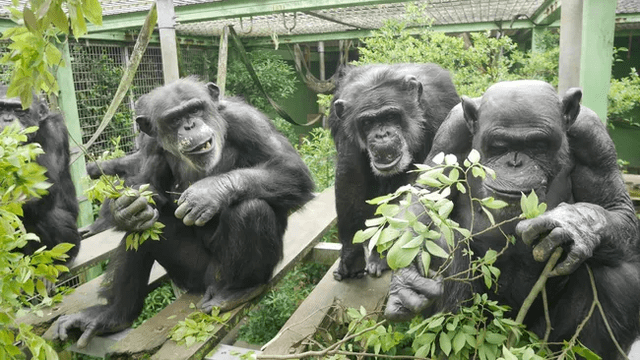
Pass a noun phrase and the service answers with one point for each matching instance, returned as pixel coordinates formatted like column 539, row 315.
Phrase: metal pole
column 166, row 21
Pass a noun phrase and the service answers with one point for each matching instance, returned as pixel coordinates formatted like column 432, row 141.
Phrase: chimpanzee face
column 11, row 111
column 385, row 121
column 185, row 120
column 519, row 128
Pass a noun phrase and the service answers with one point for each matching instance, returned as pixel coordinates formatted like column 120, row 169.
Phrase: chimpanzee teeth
column 207, row 146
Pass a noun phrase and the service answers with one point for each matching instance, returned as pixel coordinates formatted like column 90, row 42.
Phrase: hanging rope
column 247, row 63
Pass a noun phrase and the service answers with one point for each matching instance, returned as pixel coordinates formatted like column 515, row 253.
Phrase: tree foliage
column 21, row 277
column 35, row 39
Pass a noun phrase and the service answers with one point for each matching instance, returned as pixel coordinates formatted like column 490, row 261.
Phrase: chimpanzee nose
column 515, row 162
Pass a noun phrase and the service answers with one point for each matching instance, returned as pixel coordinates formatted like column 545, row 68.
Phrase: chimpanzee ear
column 41, row 108
column 339, row 106
column 146, row 125
column 214, row 91
column 571, row 106
column 412, row 84
column 470, row 111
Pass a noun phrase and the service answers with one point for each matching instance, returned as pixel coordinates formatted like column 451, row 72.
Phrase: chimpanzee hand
column 410, row 293
column 203, row 199
column 578, row 226
column 132, row 213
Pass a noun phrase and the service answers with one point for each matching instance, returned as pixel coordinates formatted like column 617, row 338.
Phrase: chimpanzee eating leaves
column 383, row 119
column 234, row 177
column 54, row 216
column 535, row 140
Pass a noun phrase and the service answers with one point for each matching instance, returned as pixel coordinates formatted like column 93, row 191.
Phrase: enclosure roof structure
column 336, row 19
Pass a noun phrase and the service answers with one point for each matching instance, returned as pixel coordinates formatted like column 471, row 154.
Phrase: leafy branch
column 42, row 26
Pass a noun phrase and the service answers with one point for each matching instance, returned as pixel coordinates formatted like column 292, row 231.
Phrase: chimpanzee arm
column 282, row 181
column 601, row 225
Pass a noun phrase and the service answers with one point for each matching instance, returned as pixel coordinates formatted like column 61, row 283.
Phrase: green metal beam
column 547, row 13
column 628, row 18
column 67, row 103
column 230, row 9
column 598, row 26
column 358, row 34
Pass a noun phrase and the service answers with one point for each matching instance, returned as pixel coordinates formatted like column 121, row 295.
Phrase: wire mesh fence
column 97, row 70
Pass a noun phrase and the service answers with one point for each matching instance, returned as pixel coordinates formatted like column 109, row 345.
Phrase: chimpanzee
column 54, row 216
column 535, row 140
column 383, row 119
column 234, row 177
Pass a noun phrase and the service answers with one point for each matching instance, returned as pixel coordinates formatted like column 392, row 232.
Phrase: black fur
column 422, row 95
column 561, row 150
column 54, row 216
column 258, row 179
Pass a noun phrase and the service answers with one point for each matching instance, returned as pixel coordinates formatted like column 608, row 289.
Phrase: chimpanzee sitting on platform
column 235, row 179
column 54, row 216
column 537, row 141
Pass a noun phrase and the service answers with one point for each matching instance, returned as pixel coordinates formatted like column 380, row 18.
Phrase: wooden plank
column 306, row 228
column 325, row 253
column 84, row 296
column 96, row 248
column 368, row 292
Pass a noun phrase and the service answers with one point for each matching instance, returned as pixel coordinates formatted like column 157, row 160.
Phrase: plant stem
column 535, row 290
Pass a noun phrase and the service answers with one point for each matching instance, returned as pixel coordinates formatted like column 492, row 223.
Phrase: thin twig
column 547, row 318
column 604, row 318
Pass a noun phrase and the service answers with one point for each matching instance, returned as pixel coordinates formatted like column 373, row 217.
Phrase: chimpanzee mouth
column 203, row 148
column 388, row 166
column 514, row 193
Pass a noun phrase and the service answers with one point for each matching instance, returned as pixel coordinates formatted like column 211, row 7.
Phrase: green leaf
column 363, row 235
column 507, row 354
column 439, row 158
column 414, row 243
column 426, row 261
column 489, row 215
column 397, row 257
column 30, row 20
column 374, row 222
column 445, row 343
column 92, row 11
column 585, row 352
column 474, row 156
column 435, row 249
column 458, row 342
column 389, row 234
column 494, row 338
column 461, row 188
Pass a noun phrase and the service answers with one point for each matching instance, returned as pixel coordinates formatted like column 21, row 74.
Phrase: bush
column 21, row 277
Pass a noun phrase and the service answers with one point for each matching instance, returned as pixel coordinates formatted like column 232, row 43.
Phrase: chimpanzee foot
column 90, row 322
column 376, row 265
column 346, row 271
column 228, row 299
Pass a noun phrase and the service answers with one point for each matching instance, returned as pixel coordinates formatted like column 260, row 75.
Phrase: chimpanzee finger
column 147, row 222
column 127, row 212
column 431, row 288
column 395, row 311
column 412, row 300
column 182, row 210
column 532, row 229
column 568, row 266
column 123, row 202
column 87, row 335
column 549, row 243
column 205, row 217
